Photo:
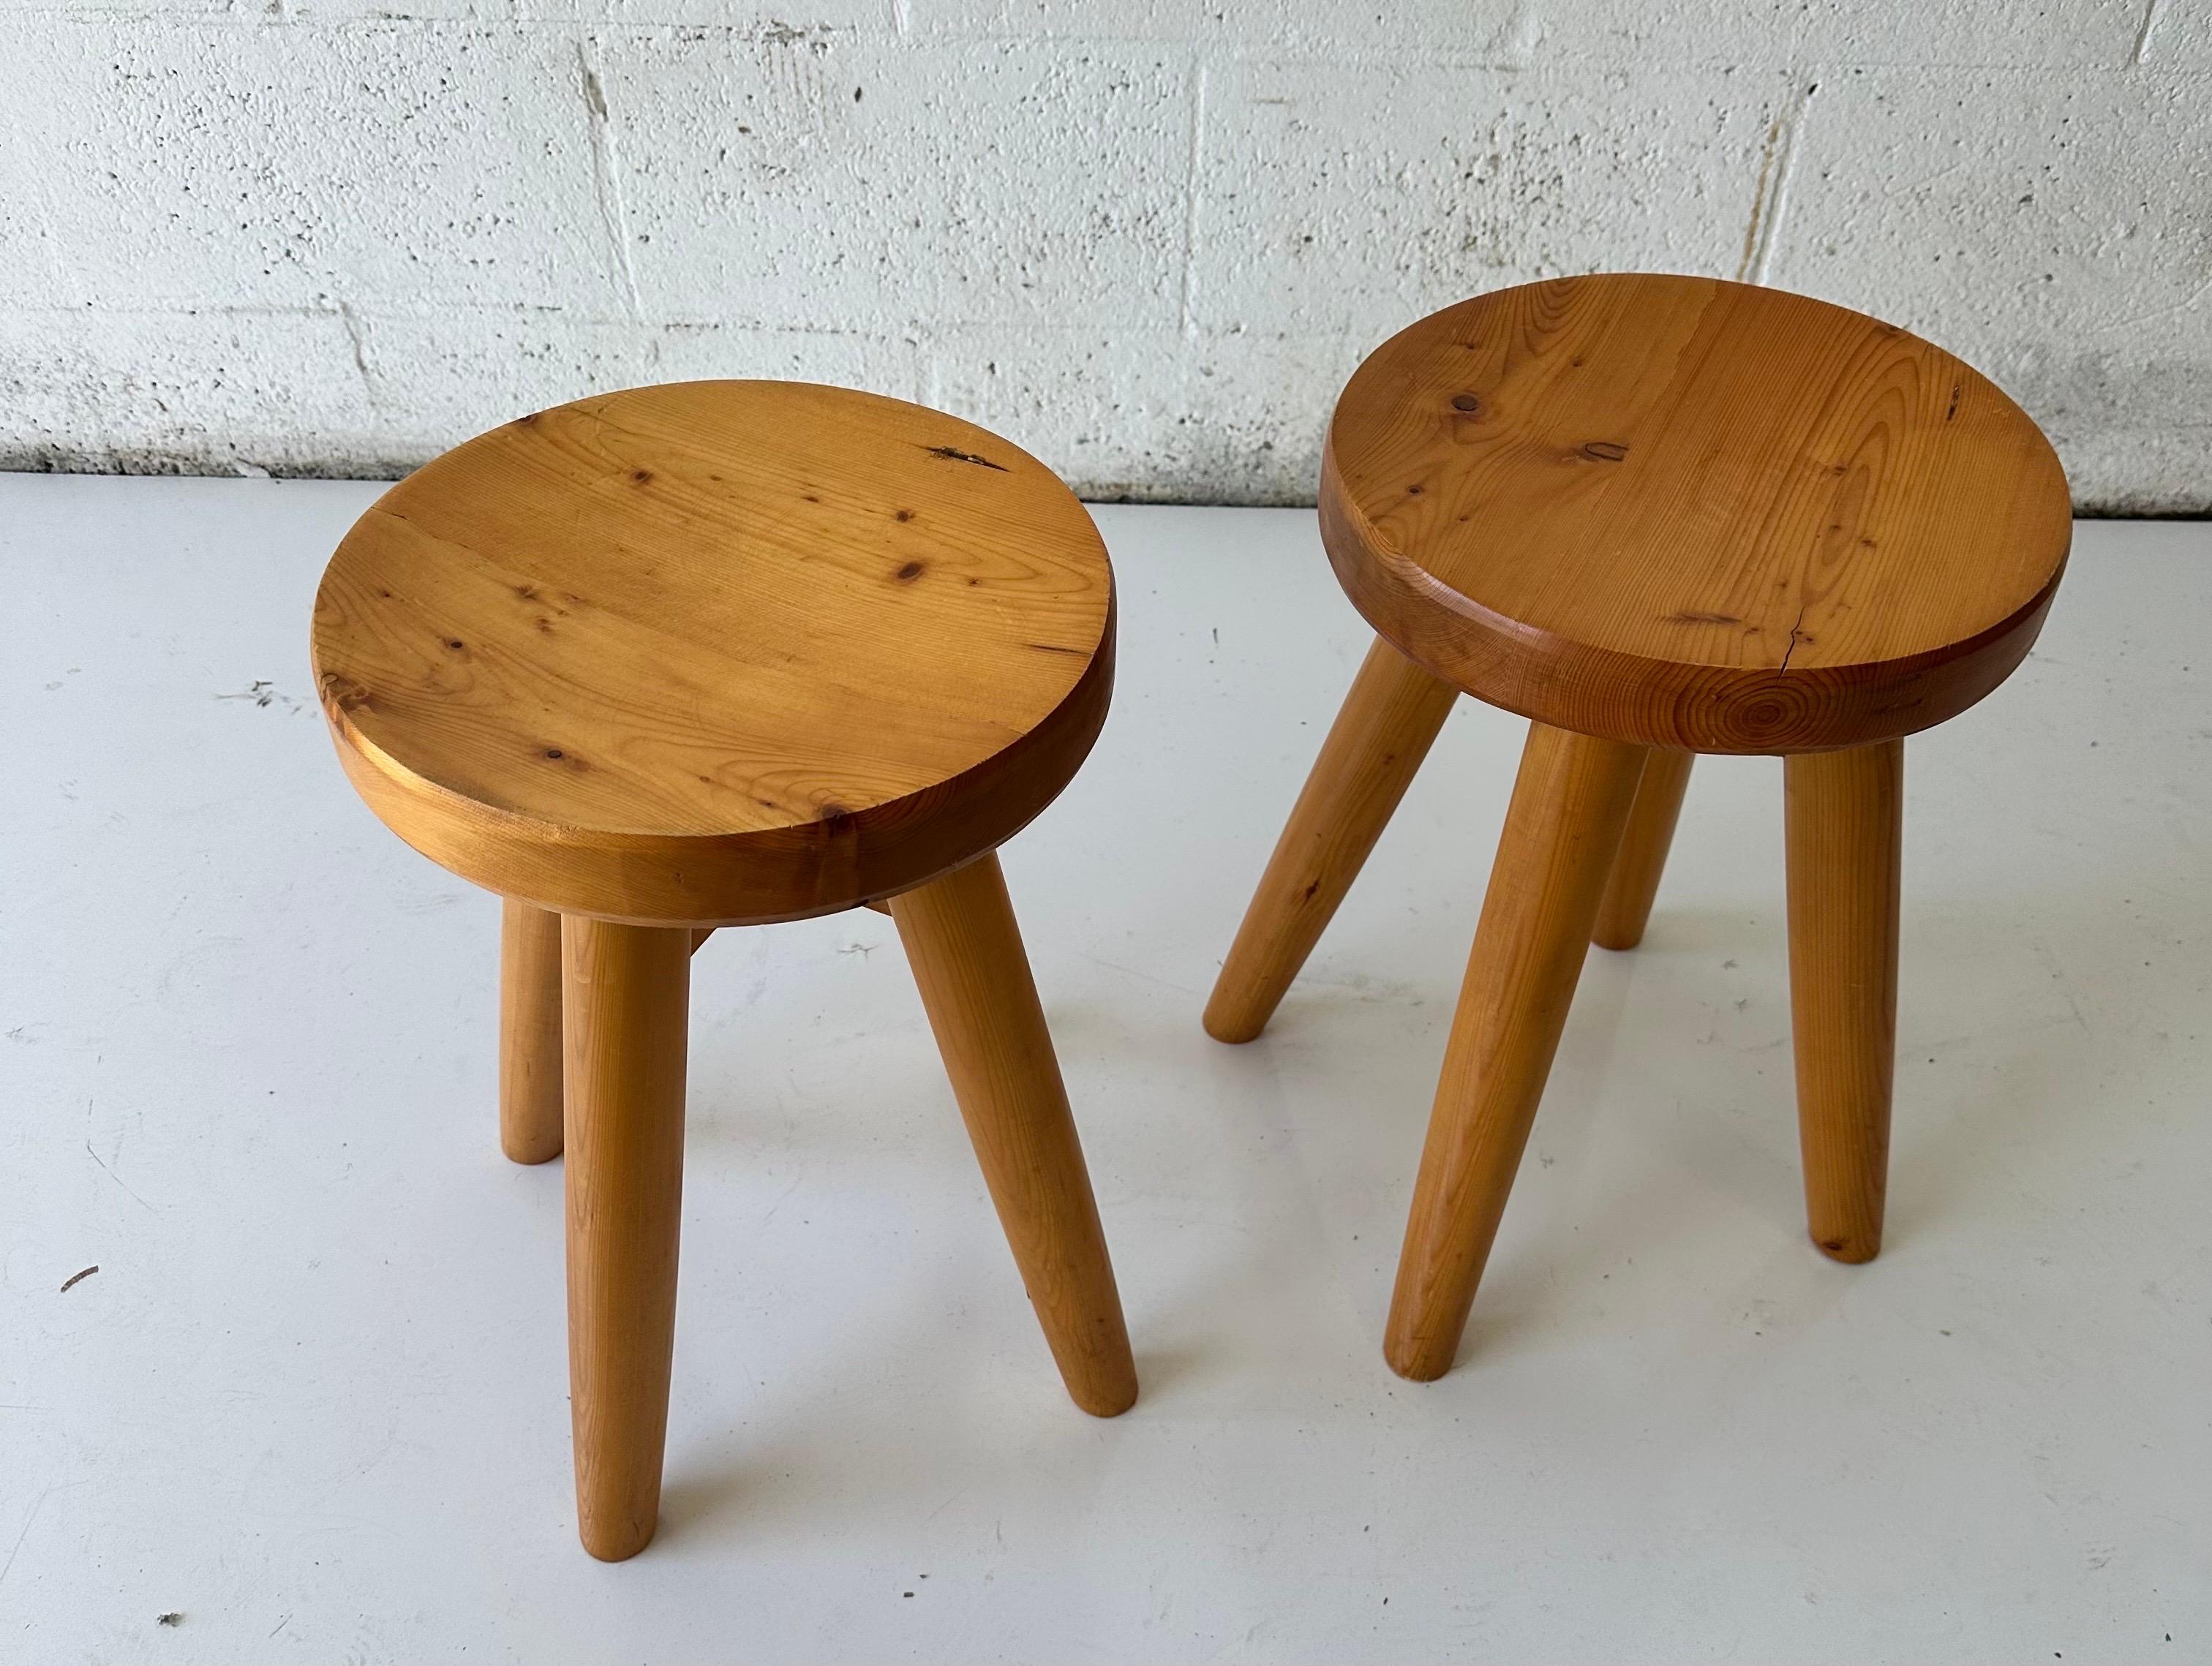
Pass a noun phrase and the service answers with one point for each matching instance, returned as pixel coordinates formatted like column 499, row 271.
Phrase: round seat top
column 716, row 652
column 1693, row 513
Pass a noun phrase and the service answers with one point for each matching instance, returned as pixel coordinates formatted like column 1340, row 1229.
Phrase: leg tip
column 1842, row 1246
column 1226, row 1020
column 1108, row 1403
column 1609, row 937
column 530, row 1156
column 615, row 1544
column 1413, row 1362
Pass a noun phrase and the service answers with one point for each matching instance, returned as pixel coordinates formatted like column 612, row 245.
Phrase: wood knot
column 1604, row 451
column 643, row 477
column 910, row 572
column 903, row 515
column 1468, row 402
column 345, row 694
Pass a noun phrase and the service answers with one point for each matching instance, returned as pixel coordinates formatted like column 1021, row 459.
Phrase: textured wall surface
column 1147, row 239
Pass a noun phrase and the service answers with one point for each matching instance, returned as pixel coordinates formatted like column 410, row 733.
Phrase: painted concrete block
column 2055, row 231
column 1457, row 181
column 820, row 182
column 1157, row 233
column 1739, row 33
column 392, row 163
column 2177, row 32
column 1148, row 416
column 435, row 381
column 180, row 392
column 1102, row 408
column 31, row 272
column 1817, row 34
column 1487, row 29
column 768, row 18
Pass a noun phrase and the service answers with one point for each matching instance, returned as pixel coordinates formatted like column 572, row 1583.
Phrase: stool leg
column 1844, row 816
column 529, row 1032
column 1635, row 882
column 966, row 952
column 626, row 991
column 1388, row 724
column 1570, row 802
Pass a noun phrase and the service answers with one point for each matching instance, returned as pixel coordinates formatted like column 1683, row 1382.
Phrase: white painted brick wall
column 1148, row 238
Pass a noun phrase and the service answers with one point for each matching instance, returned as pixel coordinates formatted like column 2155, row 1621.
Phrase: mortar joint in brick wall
column 348, row 316
column 2153, row 10
column 606, row 170
column 1196, row 142
column 1777, row 162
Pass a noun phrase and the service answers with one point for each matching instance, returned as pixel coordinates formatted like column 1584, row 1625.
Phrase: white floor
column 311, row 1406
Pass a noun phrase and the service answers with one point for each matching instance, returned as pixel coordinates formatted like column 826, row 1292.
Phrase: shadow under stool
column 1656, row 515
column 716, row 654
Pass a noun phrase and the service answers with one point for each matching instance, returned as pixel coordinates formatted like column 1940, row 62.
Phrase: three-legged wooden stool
column 723, row 653
column 1657, row 515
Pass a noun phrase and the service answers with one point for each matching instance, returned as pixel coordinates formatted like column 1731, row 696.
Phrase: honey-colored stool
column 723, row 653
column 1657, row 515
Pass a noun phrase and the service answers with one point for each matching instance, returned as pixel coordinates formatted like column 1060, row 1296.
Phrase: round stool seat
column 1695, row 514
column 717, row 653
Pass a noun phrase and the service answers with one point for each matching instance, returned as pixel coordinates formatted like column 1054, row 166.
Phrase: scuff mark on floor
column 262, row 692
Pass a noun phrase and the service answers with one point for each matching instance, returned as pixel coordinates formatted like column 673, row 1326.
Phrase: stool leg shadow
column 1570, row 803
column 626, row 992
column 1844, row 815
column 1373, row 749
column 966, row 952
column 529, row 1032
column 1634, row 885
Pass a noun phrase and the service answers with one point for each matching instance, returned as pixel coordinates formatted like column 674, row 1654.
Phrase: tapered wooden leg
column 966, row 951
column 529, row 1032
column 1389, row 722
column 1570, row 802
column 1845, row 820
column 1628, row 895
column 626, row 991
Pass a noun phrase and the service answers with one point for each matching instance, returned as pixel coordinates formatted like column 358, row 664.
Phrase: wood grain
column 966, row 952
column 1845, row 817
column 529, row 1104
column 1634, row 885
column 1383, row 730
column 626, row 1002
column 716, row 652
column 1692, row 514
column 1570, row 802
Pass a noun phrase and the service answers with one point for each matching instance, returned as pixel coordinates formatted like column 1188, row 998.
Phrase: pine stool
column 1656, row 515
column 723, row 653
